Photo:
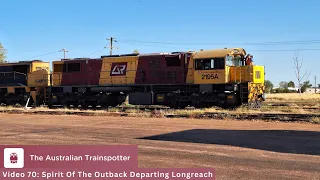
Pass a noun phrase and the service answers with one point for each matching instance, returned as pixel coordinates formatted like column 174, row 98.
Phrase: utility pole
column 112, row 39
column 315, row 84
column 64, row 52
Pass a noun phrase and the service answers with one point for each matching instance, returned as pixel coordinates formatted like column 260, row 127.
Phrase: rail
column 13, row 72
column 264, row 109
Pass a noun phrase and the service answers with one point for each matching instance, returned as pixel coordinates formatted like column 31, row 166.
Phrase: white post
column 27, row 102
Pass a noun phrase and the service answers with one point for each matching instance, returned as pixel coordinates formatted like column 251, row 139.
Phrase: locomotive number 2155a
column 209, row 76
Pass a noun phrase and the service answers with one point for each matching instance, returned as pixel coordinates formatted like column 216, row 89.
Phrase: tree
column 268, row 86
column 136, row 51
column 291, row 84
column 283, row 84
column 3, row 54
column 305, row 85
column 300, row 75
column 318, row 85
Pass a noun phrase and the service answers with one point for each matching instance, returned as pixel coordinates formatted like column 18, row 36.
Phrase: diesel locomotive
column 23, row 80
column 218, row 77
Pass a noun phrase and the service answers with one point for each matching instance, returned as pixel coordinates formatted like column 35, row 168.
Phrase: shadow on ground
column 297, row 142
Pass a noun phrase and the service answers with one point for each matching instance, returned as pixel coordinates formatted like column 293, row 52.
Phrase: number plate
column 209, row 76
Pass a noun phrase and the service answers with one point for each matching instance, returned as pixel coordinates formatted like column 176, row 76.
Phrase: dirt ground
column 236, row 149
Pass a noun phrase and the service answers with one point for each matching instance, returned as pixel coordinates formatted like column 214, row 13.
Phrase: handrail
column 235, row 74
column 13, row 77
column 240, row 73
column 13, row 72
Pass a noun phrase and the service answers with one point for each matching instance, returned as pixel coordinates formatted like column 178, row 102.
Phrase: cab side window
column 211, row 63
column 73, row 67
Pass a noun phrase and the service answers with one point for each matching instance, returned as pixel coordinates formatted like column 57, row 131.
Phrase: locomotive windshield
column 234, row 61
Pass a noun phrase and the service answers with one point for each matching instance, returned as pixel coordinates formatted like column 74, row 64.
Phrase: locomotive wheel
column 182, row 105
column 121, row 99
column 112, row 101
column 85, row 106
column 65, row 103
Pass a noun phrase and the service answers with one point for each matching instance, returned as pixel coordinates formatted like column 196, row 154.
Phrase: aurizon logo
column 118, row 69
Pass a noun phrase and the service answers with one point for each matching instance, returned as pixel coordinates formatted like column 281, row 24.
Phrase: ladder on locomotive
column 47, row 92
column 244, row 89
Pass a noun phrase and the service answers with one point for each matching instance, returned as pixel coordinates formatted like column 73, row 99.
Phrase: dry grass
column 293, row 97
column 11, row 108
column 208, row 113
column 316, row 120
column 292, row 109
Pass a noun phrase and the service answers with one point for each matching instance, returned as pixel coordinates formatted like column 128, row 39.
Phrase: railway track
column 213, row 108
column 276, row 106
column 281, row 107
column 290, row 103
column 151, row 108
column 266, row 105
column 283, row 117
column 253, row 116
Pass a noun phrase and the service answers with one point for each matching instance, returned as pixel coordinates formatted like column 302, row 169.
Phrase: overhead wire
column 144, row 43
column 260, row 50
column 224, row 43
column 152, row 44
column 287, row 50
column 133, row 43
column 44, row 54
column 98, row 51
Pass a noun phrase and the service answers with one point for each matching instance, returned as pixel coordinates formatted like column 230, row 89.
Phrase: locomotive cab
column 209, row 70
column 21, row 79
column 225, row 72
column 249, row 77
column 212, row 66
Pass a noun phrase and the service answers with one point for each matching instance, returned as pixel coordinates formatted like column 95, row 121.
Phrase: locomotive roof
column 161, row 54
column 19, row 63
column 147, row 54
column 197, row 55
column 78, row 59
column 122, row 55
column 219, row 53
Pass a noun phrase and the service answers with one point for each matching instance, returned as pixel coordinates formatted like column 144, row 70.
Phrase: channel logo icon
column 13, row 158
